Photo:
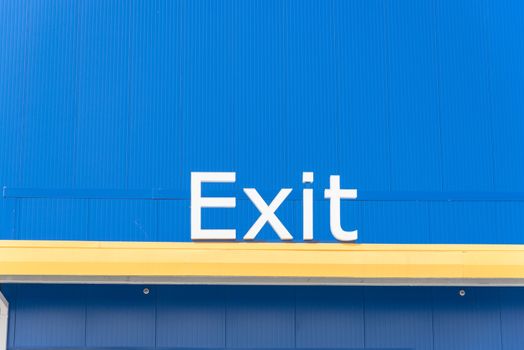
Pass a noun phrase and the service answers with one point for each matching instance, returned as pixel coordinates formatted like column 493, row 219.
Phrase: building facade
column 262, row 174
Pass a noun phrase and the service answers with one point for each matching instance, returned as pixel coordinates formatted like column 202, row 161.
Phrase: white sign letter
column 198, row 202
column 267, row 214
column 307, row 209
column 335, row 194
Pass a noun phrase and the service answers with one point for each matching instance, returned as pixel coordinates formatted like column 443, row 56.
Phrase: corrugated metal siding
column 264, row 317
column 415, row 103
column 507, row 70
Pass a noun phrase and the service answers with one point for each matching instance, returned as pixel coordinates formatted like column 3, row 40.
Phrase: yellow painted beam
column 301, row 260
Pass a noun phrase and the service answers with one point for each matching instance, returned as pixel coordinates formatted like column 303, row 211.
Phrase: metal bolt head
column 146, row 291
column 462, row 292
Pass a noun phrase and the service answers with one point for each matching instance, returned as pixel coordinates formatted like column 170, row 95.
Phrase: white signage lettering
column 267, row 212
column 335, row 194
column 198, row 202
column 307, row 208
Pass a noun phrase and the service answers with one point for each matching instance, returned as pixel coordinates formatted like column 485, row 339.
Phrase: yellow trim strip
column 290, row 260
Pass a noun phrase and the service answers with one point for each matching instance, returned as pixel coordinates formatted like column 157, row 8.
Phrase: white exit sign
column 267, row 211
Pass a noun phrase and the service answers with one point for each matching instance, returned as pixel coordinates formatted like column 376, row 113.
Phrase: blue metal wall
column 69, row 316
column 107, row 105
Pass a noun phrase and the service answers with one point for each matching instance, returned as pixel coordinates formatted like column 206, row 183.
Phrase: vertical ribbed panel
column 173, row 220
column 191, row 317
column 469, row 322
column 398, row 318
column 412, row 96
column 13, row 26
column 49, row 99
column 121, row 220
column 258, row 317
column 8, row 208
column 329, row 318
column 391, row 221
column 310, row 64
column 120, row 316
column 417, row 104
column 52, row 219
column 102, row 112
column 509, row 216
column 155, row 129
column 464, row 95
column 476, row 222
column 506, row 54
column 49, row 316
column 512, row 318
column 260, row 144
column 361, row 80
column 207, row 90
